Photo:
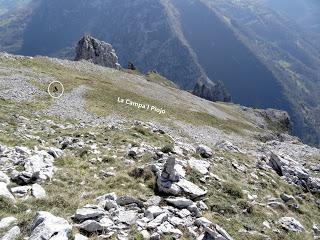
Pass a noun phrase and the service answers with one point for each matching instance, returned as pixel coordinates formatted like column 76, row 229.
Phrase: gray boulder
column 145, row 235
column 190, row 189
column 158, row 221
column 180, row 202
column 4, row 178
column 96, row 51
column 291, row 224
column 45, row 226
column 153, row 211
column 21, row 191
column 153, row 201
column 42, row 163
column 37, row 167
column 12, row 234
column 4, row 192
column 212, row 231
column 167, row 229
column 126, row 200
column 38, row 191
column 88, row 212
column 6, row 222
column 169, row 171
column 204, row 151
column 79, row 236
column 91, row 226
column 294, row 172
column 170, row 182
column 55, row 152
column 200, row 166
column 129, row 217
column 23, row 178
column 106, row 222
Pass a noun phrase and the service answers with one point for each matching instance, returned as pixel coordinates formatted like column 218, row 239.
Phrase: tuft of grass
column 142, row 130
column 167, row 148
column 153, row 76
column 233, row 189
column 193, row 175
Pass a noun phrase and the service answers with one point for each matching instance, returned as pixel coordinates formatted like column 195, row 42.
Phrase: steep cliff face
column 262, row 58
column 288, row 50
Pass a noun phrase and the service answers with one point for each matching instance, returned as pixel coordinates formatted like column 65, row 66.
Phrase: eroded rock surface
column 97, row 52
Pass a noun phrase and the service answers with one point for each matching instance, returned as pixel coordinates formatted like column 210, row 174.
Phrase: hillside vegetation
column 85, row 144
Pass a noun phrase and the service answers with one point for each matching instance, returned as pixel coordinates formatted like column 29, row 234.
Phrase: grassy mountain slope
column 270, row 55
column 89, row 112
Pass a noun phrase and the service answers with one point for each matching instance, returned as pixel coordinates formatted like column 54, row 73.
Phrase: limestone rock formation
column 169, row 181
column 280, row 118
column 212, row 91
column 293, row 172
column 153, row 221
column 97, row 52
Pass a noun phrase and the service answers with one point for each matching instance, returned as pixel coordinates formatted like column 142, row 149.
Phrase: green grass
column 155, row 77
column 104, row 91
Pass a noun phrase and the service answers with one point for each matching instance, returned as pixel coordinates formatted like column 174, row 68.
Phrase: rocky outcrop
column 152, row 221
column 293, row 172
column 204, row 151
column 279, row 119
column 36, row 166
column 212, row 91
column 97, row 52
column 169, row 181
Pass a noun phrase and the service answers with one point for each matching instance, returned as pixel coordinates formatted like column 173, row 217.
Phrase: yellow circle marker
column 55, row 89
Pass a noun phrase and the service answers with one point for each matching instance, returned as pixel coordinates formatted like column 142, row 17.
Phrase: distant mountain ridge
column 254, row 51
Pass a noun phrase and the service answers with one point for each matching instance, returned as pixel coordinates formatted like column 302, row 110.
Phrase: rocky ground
column 67, row 172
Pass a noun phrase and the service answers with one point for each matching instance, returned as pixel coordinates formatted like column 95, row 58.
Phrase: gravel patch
column 71, row 105
column 15, row 84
